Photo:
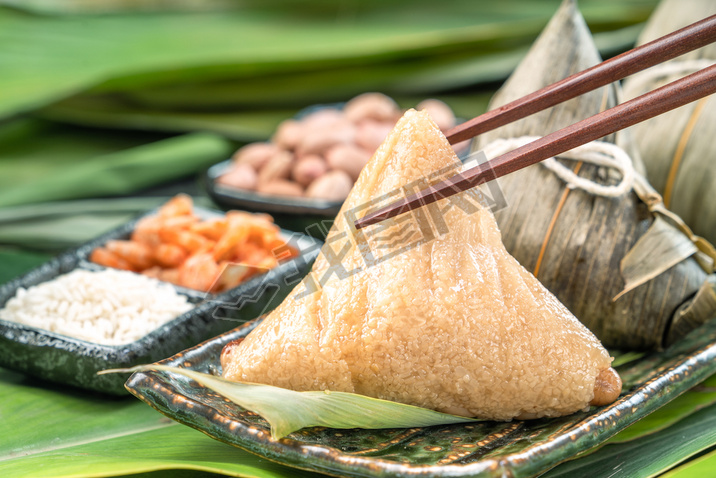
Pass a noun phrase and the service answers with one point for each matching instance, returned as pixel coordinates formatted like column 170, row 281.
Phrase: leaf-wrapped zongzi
column 577, row 242
column 678, row 147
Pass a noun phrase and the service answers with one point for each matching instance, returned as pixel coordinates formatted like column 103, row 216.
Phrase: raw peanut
column 281, row 187
column 241, row 176
column 371, row 134
column 349, row 158
column 322, row 118
column 440, row 113
column 308, row 168
column 334, row 186
column 318, row 139
column 372, row 106
column 289, row 134
column 255, row 154
column 607, row 387
column 279, row 167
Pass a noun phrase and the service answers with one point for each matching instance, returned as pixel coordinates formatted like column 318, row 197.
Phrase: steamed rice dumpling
column 453, row 324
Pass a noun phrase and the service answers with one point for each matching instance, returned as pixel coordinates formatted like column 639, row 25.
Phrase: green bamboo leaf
column 493, row 66
column 54, row 432
column 624, row 357
column 50, row 210
column 73, row 7
column 160, row 108
column 62, row 232
column 45, row 59
column 116, row 173
column 288, row 411
column 329, row 84
column 415, row 75
column 703, row 466
column 648, row 456
column 254, row 125
column 16, row 262
column 110, row 112
column 31, row 148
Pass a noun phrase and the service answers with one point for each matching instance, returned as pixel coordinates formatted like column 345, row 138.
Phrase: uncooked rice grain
column 109, row 307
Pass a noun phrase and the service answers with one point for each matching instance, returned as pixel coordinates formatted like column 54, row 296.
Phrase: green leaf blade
column 649, row 456
column 702, row 466
column 55, row 432
column 45, row 59
column 31, row 176
column 288, row 411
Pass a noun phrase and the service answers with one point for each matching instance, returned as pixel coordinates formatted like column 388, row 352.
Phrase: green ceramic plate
column 518, row 448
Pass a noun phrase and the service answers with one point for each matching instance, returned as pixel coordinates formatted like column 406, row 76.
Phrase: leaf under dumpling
column 288, row 411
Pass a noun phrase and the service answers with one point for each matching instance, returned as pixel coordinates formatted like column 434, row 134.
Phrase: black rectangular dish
column 71, row 361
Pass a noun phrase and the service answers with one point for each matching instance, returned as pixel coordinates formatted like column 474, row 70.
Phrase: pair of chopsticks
column 654, row 103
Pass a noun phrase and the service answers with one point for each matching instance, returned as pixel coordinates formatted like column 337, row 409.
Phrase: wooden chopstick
column 658, row 51
column 651, row 104
column 675, row 94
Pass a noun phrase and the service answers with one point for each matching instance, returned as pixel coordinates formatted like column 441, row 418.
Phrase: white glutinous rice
column 108, row 307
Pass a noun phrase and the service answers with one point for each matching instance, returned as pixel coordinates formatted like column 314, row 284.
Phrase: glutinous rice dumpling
column 453, row 324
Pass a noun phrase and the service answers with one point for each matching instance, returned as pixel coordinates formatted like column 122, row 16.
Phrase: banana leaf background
column 109, row 107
